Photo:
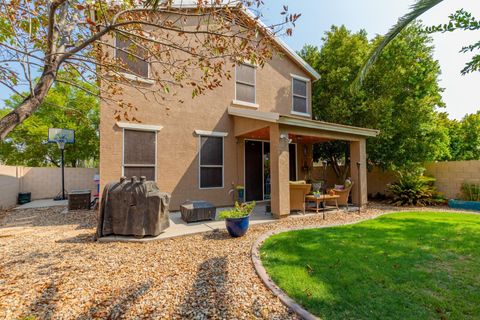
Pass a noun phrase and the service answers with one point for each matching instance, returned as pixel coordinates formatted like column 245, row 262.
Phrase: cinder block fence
column 43, row 183
column 449, row 176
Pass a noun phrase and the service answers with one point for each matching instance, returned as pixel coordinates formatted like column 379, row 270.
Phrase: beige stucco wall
column 177, row 144
column 41, row 182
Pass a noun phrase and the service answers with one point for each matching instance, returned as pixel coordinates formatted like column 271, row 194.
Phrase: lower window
column 211, row 162
column 139, row 154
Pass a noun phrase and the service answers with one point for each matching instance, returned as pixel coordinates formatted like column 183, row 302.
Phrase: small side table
column 194, row 211
column 322, row 198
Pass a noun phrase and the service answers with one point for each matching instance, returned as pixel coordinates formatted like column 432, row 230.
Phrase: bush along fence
column 42, row 183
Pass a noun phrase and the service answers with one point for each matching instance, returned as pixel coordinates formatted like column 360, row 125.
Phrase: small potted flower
column 237, row 219
column 317, row 194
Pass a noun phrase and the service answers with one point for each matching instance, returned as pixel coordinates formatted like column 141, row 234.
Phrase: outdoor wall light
column 285, row 137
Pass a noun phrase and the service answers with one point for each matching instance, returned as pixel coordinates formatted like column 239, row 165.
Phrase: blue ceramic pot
column 237, row 227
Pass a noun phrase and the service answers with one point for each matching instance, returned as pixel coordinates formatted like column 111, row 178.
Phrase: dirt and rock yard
column 51, row 268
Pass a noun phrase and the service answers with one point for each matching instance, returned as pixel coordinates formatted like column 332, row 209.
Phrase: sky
column 462, row 93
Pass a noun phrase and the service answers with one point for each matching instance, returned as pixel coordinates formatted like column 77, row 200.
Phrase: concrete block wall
column 43, row 183
column 9, row 186
column 449, row 176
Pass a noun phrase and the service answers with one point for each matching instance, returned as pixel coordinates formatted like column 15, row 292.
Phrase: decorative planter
column 237, row 227
column 467, row 205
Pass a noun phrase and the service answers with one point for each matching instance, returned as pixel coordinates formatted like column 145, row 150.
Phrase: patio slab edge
column 205, row 228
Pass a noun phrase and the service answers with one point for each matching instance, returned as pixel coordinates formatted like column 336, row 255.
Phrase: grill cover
column 135, row 208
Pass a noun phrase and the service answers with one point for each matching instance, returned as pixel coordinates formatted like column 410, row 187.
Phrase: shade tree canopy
column 64, row 106
column 401, row 96
column 187, row 45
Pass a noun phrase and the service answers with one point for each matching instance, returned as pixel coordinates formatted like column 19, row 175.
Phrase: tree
column 400, row 97
column 337, row 62
column 186, row 45
column 63, row 107
column 464, row 137
column 403, row 96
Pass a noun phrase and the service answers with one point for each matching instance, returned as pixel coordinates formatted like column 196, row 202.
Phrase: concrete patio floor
column 178, row 227
column 42, row 203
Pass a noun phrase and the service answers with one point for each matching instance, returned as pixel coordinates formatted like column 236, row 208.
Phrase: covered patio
column 290, row 140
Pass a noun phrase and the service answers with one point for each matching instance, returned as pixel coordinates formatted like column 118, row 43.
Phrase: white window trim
column 210, row 133
column 296, row 113
column 307, row 100
column 296, row 76
column 245, row 104
column 240, row 102
column 139, row 126
column 140, row 165
column 223, row 135
column 131, row 76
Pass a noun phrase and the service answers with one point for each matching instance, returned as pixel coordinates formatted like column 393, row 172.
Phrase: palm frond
column 416, row 10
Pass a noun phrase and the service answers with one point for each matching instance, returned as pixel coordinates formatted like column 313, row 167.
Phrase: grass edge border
column 274, row 288
column 270, row 284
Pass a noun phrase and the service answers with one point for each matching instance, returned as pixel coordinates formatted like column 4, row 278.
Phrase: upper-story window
column 245, row 83
column 300, row 96
column 133, row 57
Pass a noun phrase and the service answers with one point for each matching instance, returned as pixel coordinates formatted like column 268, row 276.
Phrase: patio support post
column 279, row 172
column 358, row 154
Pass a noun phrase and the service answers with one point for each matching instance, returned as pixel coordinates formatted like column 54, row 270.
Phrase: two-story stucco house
column 256, row 131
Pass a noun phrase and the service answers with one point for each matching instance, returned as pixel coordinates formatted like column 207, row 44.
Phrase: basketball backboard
column 61, row 135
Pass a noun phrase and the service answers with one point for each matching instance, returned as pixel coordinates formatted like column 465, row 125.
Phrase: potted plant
column 237, row 219
column 317, row 194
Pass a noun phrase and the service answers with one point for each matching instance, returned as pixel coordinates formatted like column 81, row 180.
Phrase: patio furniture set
column 301, row 197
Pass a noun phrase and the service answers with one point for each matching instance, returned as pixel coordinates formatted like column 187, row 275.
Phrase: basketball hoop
column 61, row 137
column 61, row 144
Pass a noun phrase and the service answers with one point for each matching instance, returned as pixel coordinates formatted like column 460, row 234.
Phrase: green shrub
column 413, row 188
column 239, row 211
column 470, row 191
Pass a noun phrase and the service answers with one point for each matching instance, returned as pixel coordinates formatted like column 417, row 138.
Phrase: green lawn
column 415, row 265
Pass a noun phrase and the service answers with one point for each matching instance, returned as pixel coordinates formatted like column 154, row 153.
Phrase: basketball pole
column 63, row 174
column 61, row 146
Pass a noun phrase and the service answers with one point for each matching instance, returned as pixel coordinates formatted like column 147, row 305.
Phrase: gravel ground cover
column 51, row 268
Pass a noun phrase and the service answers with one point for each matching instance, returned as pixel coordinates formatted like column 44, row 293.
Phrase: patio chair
column 298, row 191
column 344, row 194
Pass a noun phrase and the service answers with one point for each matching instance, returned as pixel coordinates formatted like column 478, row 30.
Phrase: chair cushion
column 298, row 182
column 348, row 183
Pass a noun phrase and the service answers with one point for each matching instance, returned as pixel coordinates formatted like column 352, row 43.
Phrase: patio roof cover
column 303, row 124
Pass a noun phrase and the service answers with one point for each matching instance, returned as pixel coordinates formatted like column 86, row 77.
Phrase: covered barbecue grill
column 133, row 208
